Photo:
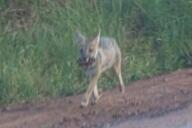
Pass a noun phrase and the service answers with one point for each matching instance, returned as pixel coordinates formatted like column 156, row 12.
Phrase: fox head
column 88, row 48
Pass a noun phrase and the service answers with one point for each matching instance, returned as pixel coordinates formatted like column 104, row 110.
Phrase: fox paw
column 95, row 100
column 84, row 103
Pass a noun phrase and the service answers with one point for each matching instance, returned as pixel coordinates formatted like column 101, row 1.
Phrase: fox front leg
column 95, row 96
column 91, row 90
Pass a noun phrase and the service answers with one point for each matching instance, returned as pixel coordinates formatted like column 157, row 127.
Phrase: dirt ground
column 149, row 98
column 181, row 118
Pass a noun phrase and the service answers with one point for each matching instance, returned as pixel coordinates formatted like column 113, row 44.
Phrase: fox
column 97, row 55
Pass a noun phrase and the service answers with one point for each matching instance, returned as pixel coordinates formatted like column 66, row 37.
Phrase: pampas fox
column 96, row 56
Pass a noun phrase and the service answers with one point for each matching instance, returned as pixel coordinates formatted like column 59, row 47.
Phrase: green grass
column 39, row 60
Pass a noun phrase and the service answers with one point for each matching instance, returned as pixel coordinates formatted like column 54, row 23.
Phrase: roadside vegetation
column 38, row 55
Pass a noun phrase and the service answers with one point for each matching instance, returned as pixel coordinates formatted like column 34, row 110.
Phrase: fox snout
column 86, row 61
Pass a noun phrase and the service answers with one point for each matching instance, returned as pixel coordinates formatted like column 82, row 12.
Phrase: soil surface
column 177, row 119
column 144, row 99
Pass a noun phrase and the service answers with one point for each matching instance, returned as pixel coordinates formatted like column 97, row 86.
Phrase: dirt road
column 145, row 100
column 178, row 119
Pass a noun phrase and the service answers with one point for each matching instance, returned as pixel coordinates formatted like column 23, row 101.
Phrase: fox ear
column 97, row 39
column 79, row 38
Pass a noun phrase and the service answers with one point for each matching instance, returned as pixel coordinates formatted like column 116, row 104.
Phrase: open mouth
column 86, row 62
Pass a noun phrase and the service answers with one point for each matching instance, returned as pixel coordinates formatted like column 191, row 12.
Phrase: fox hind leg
column 117, row 68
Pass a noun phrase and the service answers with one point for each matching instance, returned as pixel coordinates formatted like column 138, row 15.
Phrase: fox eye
column 90, row 50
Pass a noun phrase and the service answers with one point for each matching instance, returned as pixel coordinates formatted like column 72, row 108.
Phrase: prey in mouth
column 86, row 62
